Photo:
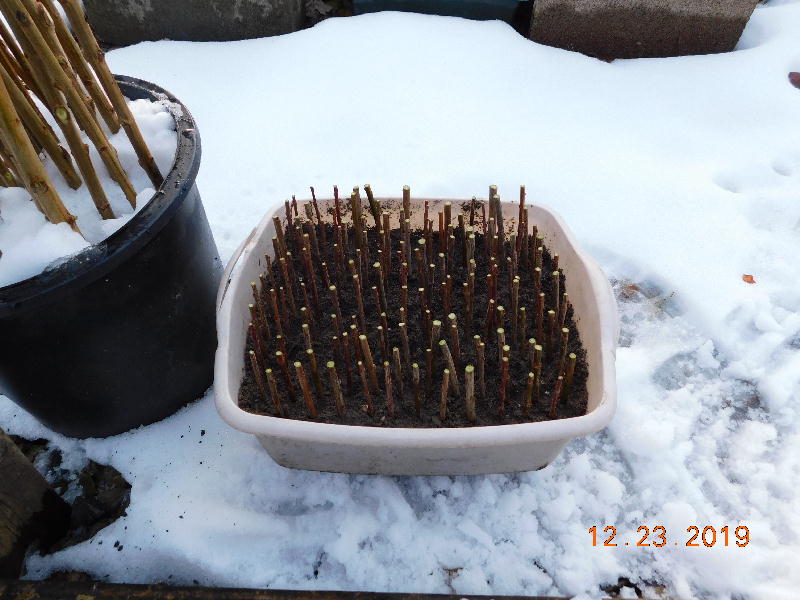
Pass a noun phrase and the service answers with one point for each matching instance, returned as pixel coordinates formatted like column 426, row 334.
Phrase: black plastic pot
column 121, row 334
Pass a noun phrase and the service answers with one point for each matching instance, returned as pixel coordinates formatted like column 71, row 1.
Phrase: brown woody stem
column 443, row 396
column 341, row 407
column 469, row 387
column 309, row 399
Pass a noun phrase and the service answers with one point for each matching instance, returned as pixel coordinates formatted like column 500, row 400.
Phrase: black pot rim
column 94, row 262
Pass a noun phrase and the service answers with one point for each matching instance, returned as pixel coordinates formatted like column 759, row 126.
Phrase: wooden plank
column 29, row 510
column 89, row 590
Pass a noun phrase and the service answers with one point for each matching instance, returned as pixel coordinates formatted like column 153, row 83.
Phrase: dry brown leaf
column 748, row 278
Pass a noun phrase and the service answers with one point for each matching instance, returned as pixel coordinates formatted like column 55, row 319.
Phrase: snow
column 29, row 243
column 680, row 175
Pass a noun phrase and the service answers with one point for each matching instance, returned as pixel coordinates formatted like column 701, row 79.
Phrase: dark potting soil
column 252, row 399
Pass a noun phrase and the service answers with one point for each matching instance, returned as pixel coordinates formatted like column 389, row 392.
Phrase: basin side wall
column 328, row 447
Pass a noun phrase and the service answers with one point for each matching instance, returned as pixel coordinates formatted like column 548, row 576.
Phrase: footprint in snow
column 767, row 191
column 749, row 178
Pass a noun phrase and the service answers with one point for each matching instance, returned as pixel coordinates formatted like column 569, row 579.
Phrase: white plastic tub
column 425, row 451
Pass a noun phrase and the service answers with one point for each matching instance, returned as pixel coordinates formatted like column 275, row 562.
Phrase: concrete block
column 641, row 28
column 124, row 22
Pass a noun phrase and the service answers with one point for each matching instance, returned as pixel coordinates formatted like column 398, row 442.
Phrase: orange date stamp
column 656, row 537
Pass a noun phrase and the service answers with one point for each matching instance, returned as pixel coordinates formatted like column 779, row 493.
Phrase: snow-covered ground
column 681, row 175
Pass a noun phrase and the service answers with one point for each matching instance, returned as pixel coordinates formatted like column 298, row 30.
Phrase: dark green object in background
column 482, row 10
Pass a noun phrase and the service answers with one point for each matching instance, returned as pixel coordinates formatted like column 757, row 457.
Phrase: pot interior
column 587, row 287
